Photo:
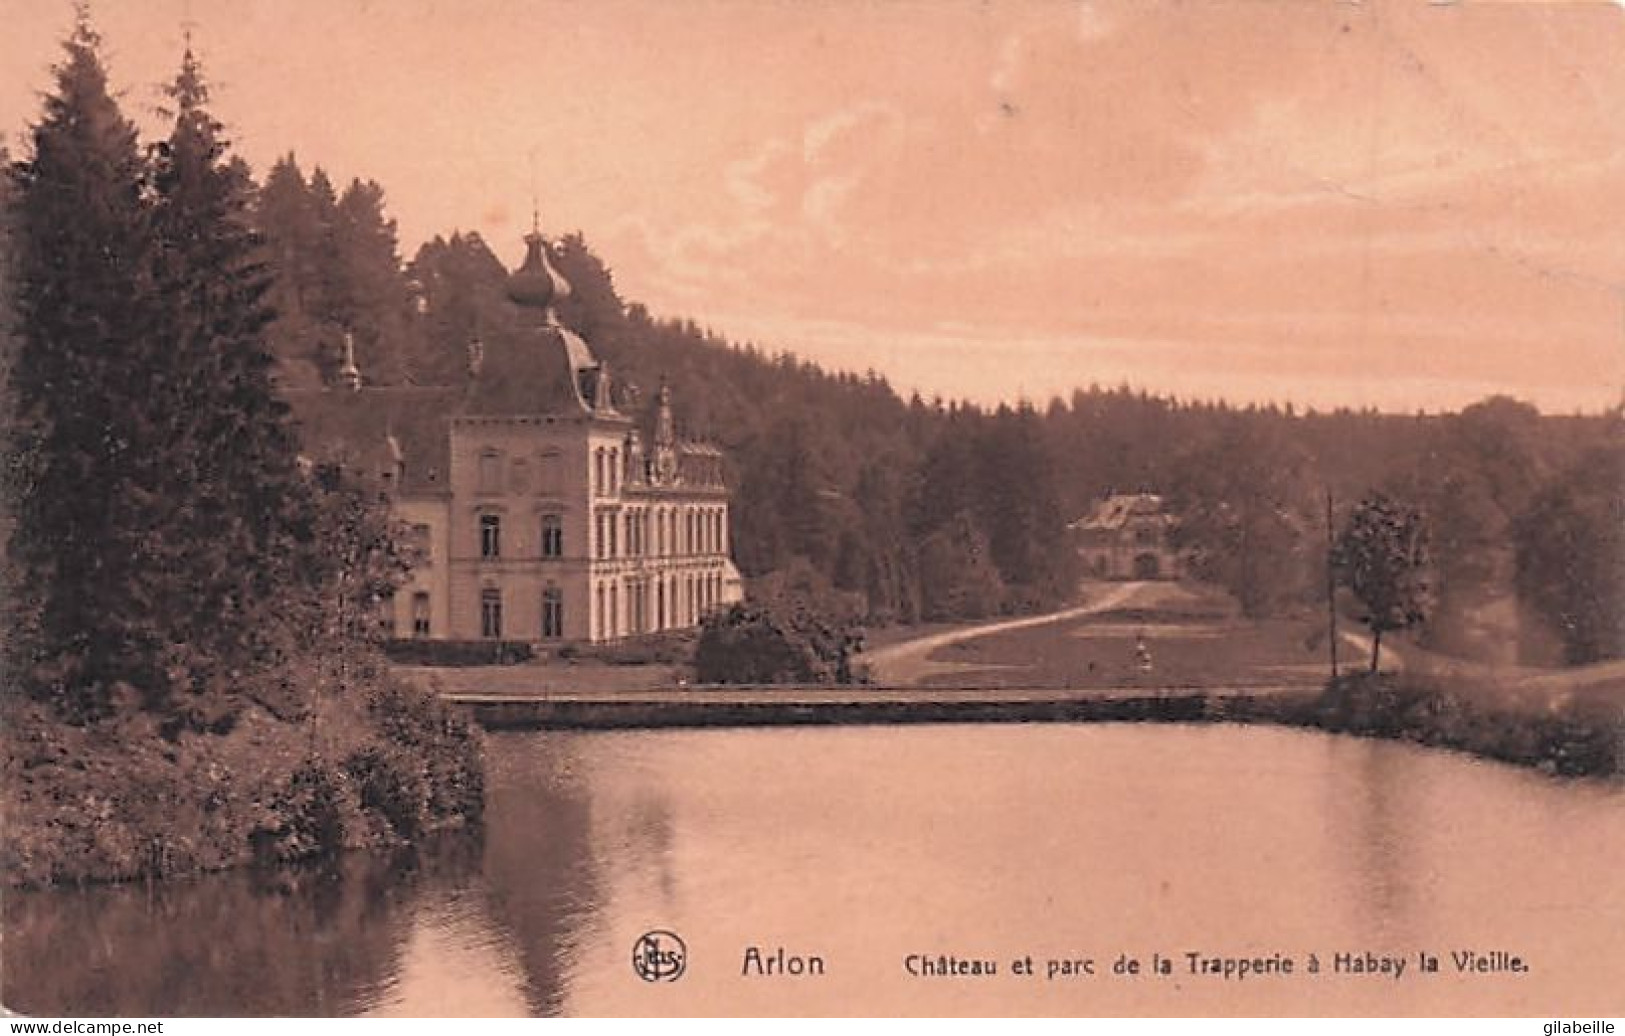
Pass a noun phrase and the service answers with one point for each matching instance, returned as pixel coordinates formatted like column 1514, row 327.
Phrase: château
column 536, row 511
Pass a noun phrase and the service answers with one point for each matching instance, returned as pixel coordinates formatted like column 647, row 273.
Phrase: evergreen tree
column 371, row 299
column 83, row 440
column 958, row 579
column 460, row 288
column 236, row 538
column 286, row 219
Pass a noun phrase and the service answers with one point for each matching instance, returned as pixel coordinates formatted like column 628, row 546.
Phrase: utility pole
column 1331, row 585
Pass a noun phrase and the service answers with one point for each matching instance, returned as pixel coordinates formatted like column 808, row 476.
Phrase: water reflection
column 865, row 845
column 541, row 868
column 298, row 942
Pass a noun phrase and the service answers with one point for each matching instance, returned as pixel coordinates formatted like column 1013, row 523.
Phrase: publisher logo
column 659, row 956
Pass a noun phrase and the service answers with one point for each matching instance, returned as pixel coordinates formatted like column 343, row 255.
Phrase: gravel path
column 906, row 663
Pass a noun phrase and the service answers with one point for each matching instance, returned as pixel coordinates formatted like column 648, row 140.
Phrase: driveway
column 906, row 663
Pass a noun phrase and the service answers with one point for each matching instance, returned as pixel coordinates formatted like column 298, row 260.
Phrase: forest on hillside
column 926, row 510
column 908, row 510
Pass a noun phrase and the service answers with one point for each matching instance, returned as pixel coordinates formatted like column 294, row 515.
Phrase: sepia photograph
column 751, row 508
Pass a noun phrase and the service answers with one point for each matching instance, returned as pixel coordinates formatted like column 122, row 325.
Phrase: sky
column 1404, row 205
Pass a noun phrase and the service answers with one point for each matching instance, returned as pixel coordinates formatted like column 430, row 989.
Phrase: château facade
column 537, row 513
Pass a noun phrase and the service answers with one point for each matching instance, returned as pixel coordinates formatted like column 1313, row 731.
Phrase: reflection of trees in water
column 289, row 942
column 540, row 877
column 649, row 837
column 1373, row 820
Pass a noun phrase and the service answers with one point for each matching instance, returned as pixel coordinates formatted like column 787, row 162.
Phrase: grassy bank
column 372, row 762
column 1573, row 730
column 1571, row 739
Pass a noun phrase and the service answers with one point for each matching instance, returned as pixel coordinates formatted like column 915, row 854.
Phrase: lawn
column 1189, row 644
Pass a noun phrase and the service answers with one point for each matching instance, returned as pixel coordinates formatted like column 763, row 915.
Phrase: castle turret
column 349, row 373
column 665, row 440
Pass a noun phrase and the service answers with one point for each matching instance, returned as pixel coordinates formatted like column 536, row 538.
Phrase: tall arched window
column 490, row 536
column 491, row 613
column 421, row 625
column 552, row 613
column 552, row 536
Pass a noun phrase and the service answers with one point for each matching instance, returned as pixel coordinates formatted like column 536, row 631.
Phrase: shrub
column 306, row 819
column 459, row 652
column 390, row 783
column 425, row 728
column 759, row 643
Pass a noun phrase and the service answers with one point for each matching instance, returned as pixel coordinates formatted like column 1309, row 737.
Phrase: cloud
column 1268, row 194
column 744, row 176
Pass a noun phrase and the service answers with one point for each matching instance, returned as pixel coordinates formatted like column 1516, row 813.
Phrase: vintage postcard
column 855, row 507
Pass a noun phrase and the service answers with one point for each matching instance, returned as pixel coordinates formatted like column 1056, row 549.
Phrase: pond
column 880, row 870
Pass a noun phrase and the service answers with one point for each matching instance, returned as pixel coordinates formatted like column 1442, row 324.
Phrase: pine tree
column 286, row 220
column 81, row 440
column 240, row 509
column 371, row 297
column 461, row 286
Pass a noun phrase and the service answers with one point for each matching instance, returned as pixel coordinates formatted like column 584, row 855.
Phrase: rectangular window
column 552, row 613
column 491, row 614
column 490, row 472
column 490, row 536
column 421, row 544
column 552, row 536
column 420, row 615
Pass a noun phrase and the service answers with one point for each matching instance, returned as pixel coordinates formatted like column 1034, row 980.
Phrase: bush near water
column 1572, row 734
column 795, row 628
column 377, row 763
column 189, row 599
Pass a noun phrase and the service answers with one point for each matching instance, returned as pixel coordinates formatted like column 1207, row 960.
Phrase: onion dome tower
column 539, row 366
column 536, row 288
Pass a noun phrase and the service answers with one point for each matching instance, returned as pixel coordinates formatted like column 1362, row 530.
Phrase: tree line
column 896, row 509
column 925, row 510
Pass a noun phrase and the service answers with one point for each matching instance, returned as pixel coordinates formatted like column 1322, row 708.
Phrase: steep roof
column 370, row 427
column 1115, row 511
column 535, row 367
column 530, row 370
